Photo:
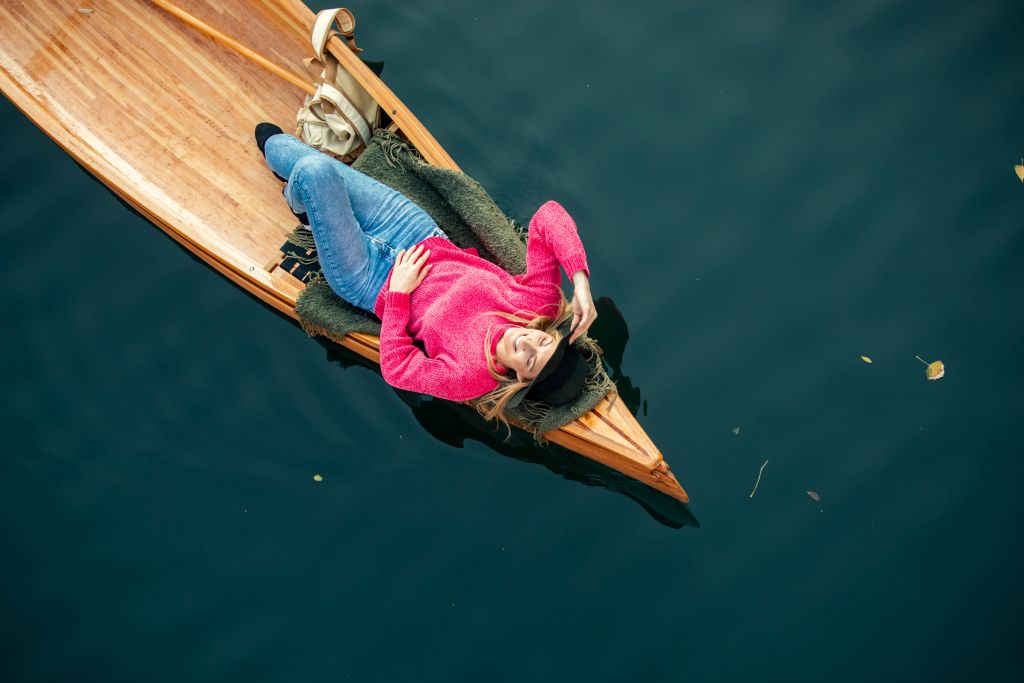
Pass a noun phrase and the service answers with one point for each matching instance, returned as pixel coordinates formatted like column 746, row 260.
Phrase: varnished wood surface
column 241, row 49
column 164, row 115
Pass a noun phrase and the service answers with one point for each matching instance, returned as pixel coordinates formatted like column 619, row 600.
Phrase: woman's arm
column 554, row 241
column 583, row 311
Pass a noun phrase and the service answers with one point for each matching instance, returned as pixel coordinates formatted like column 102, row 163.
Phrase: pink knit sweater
column 451, row 310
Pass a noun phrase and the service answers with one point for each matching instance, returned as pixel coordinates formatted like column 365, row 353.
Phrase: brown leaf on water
column 1019, row 168
column 814, row 496
column 866, row 360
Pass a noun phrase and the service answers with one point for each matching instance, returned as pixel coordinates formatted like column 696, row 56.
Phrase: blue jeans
column 359, row 224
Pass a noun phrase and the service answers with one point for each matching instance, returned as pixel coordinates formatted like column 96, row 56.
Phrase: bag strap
column 322, row 29
column 331, row 99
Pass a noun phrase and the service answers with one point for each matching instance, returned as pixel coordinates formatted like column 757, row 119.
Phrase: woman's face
column 525, row 351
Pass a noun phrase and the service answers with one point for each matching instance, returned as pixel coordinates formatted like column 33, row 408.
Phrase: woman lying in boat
column 488, row 335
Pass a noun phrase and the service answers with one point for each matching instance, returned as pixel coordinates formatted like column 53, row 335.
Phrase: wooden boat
column 154, row 108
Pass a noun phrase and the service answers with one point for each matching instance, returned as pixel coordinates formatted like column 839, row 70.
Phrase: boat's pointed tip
column 667, row 482
column 683, row 495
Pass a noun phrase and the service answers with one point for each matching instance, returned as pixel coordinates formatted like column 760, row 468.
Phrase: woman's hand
column 583, row 311
column 409, row 270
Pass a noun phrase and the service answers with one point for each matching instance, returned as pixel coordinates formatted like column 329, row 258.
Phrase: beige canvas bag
column 340, row 116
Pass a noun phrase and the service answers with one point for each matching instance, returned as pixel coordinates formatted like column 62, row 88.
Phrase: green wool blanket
column 464, row 210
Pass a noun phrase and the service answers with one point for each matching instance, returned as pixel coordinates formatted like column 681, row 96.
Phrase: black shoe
column 263, row 131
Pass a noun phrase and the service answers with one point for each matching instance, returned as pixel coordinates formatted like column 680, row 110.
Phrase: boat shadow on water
column 454, row 424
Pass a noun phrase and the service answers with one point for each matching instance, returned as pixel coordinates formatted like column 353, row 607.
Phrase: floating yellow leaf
column 317, row 477
column 1019, row 168
column 735, row 430
column 814, row 496
column 866, row 360
column 934, row 370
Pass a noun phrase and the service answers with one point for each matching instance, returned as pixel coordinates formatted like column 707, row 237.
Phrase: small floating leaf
column 736, row 430
column 814, row 496
column 935, row 369
column 317, row 477
column 866, row 360
column 1019, row 168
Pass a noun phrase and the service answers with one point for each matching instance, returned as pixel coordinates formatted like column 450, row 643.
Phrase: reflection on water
column 454, row 424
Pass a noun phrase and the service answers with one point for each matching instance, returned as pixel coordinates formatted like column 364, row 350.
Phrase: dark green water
column 767, row 192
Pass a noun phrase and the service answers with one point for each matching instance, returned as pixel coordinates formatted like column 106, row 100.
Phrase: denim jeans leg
column 359, row 223
column 283, row 151
column 341, row 245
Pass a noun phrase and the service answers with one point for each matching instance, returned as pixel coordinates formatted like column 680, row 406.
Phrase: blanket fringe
column 392, row 146
column 315, row 330
column 302, row 237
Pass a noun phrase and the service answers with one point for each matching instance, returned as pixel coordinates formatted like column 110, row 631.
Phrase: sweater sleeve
column 553, row 242
column 405, row 366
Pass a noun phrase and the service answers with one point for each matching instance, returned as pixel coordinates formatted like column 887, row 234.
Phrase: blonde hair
column 492, row 404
